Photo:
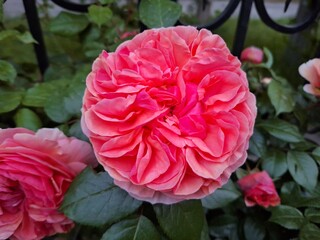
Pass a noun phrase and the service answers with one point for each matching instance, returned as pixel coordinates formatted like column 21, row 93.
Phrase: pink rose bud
column 258, row 189
column 127, row 35
column 36, row 171
column 311, row 72
column 169, row 114
column 252, row 54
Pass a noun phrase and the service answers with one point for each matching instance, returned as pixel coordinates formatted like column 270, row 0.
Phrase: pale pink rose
column 169, row 114
column 252, row 54
column 36, row 171
column 311, row 72
column 259, row 189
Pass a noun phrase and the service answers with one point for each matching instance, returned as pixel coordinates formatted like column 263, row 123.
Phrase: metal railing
column 239, row 37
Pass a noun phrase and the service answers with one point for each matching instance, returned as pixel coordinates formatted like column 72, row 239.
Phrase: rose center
column 11, row 196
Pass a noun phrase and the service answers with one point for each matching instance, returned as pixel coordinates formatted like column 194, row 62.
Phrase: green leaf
column 316, row 154
column 1, row 10
column 26, row 118
column 309, row 232
column 26, row 37
column 313, row 214
column 254, row 230
column 140, row 228
column 281, row 97
column 7, row 72
column 269, row 57
column 205, row 231
column 9, row 101
column 73, row 98
column 93, row 199
column 275, row 163
column 99, row 15
column 38, row 95
column 68, row 24
column 282, row 130
column 8, row 33
column 54, row 107
column 222, row 196
column 76, row 131
column 303, row 169
column 257, row 145
column 182, row 220
column 106, row 1
column 288, row 217
column 159, row 13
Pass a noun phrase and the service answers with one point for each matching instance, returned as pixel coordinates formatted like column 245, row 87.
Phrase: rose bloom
column 258, row 189
column 252, row 54
column 36, row 171
column 311, row 72
column 169, row 114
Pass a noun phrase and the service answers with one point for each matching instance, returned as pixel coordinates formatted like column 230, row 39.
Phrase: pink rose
column 311, row 72
column 258, row 188
column 252, row 54
column 169, row 114
column 36, row 171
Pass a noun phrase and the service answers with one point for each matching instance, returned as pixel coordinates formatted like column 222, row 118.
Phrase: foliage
column 284, row 143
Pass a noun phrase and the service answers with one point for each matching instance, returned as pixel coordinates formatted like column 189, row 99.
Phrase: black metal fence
column 239, row 37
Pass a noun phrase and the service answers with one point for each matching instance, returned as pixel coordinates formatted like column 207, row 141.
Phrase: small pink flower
column 36, row 171
column 258, row 189
column 311, row 72
column 169, row 114
column 252, row 54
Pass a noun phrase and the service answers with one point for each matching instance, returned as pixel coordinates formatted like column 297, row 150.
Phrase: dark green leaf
column 288, row 217
column 99, row 15
column 309, row 232
column 254, row 230
column 258, row 145
column 223, row 226
column 292, row 196
column 275, row 163
column 303, row 169
column 182, row 220
column 7, row 72
column 205, row 231
column 9, row 101
column 93, row 199
column 282, row 130
column 159, row 13
column 68, row 24
column 281, row 97
column 222, row 196
column 140, row 228
column 26, row 118
column 313, row 214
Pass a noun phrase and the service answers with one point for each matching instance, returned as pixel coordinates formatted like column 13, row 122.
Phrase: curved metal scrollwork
column 76, row 7
column 222, row 18
column 261, row 9
column 240, row 34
